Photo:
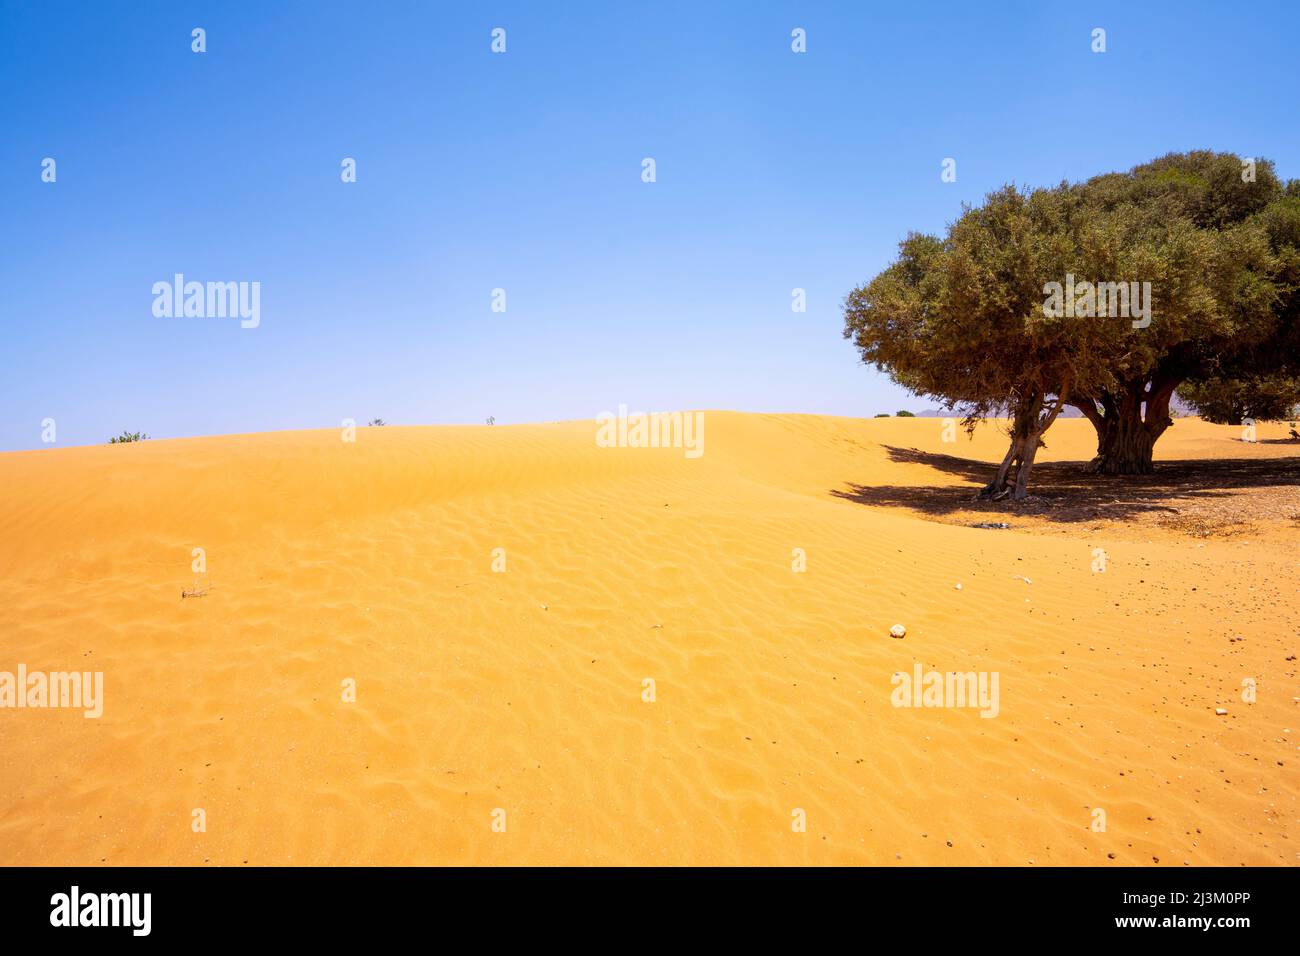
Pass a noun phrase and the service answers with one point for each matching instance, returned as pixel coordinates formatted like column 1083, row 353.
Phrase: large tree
column 964, row 319
column 1231, row 401
column 1209, row 257
column 1236, row 207
column 1261, row 383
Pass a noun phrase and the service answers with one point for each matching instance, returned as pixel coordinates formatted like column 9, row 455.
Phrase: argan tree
column 1230, row 401
column 1247, row 233
column 991, row 320
column 961, row 319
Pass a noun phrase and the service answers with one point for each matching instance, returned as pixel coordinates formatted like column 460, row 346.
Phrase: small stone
column 1220, row 711
column 958, row 586
column 897, row 631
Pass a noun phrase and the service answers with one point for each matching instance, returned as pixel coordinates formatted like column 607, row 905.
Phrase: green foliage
column 961, row 318
column 882, row 414
column 904, row 414
column 128, row 437
column 1229, row 401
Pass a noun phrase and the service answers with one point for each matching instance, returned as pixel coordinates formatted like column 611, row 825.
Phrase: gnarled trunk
column 1003, row 483
column 1028, row 423
column 1126, row 437
column 1124, row 447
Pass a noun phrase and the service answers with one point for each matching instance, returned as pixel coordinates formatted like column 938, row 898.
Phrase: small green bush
column 128, row 436
column 904, row 414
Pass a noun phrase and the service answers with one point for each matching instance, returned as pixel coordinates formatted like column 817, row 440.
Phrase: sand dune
column 523, row 689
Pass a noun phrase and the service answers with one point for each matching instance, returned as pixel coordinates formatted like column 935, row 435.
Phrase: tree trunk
column 1027, row 430
column 1125, row 447
column 1029, row 452
column 1126, row 438
column 1000, row 480
column 1033, row 441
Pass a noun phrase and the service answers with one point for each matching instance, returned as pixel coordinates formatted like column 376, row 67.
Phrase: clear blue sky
column 523, row 171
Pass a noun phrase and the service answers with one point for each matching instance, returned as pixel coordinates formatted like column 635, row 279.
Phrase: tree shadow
column 1065, row 492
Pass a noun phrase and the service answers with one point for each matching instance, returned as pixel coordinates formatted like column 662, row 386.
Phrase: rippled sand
column 523, row 690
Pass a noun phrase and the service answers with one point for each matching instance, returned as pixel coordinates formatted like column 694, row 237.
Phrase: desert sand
column 522, row 690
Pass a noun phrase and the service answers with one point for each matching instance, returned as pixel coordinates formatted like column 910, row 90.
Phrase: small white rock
column 1220, row 711
column 897, row 631
column 958, row 585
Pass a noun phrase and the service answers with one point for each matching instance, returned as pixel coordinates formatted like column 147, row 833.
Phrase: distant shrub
column 128, row 436
column 376, row 421
column 882, row 415
column 904, row 414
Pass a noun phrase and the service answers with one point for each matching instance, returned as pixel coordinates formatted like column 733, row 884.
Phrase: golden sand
column 523, row 689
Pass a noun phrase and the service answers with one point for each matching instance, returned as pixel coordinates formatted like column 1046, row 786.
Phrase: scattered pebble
column 897, row 631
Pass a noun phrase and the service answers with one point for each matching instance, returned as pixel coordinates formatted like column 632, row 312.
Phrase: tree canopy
column 1231, row 401
column 1106, row 295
